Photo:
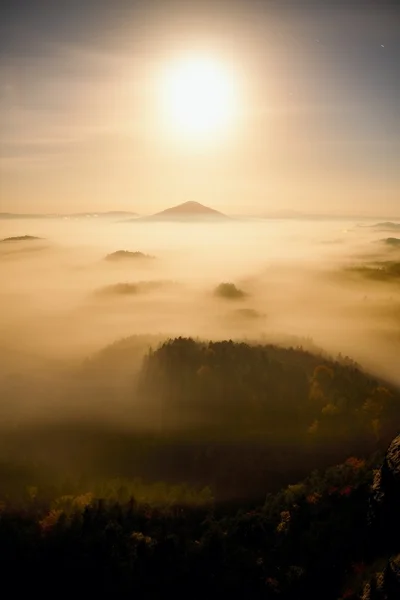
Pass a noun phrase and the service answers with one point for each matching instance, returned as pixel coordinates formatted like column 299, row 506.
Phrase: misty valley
column 200, row 299
column 209, row 401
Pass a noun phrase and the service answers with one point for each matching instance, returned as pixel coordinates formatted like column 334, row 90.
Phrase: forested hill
column 194, row 466
column 239, row 390
column 241, row 418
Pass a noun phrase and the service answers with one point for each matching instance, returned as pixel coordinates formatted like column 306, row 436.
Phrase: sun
column 199, row 97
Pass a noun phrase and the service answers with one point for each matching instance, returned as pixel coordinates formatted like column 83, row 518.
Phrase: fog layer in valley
column 85, row 385
column 60, row 298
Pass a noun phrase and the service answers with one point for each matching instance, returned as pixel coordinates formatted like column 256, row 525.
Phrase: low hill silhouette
column 129, row 289
column 391, row 241
column 127, row 255
column 229, row 291
column 386, row 226
column 21, row 238
column 385, row 271
column 113, row 214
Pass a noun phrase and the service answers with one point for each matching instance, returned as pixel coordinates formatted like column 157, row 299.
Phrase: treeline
column 309, row 540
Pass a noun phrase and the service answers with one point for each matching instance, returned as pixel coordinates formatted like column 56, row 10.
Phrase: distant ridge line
column 82, row 215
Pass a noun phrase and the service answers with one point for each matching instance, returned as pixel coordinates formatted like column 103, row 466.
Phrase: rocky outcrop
column 385, row 497
column 384, row 520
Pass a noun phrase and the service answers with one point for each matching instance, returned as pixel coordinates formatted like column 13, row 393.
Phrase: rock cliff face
column 385, row 498
column 385, row 526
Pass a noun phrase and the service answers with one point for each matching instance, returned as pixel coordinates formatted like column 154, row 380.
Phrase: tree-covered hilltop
column 239, row 391
column 229, row 291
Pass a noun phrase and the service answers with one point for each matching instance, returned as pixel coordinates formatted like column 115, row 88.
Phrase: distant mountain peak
column 189, row 210
column 190, row 206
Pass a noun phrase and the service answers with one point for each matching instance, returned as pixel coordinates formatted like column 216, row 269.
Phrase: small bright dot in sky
column 382, row 46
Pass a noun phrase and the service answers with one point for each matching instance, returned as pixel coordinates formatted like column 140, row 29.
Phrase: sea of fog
column 56, row 300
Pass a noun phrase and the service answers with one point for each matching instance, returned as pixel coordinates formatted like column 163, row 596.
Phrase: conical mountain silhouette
column 188, row 211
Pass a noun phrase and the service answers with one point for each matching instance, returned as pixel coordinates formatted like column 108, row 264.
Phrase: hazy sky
column 318, row 128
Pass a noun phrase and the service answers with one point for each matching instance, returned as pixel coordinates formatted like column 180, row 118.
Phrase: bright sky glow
column 199, row 97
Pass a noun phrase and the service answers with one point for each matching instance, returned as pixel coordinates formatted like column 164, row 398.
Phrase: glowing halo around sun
column 199, row 97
